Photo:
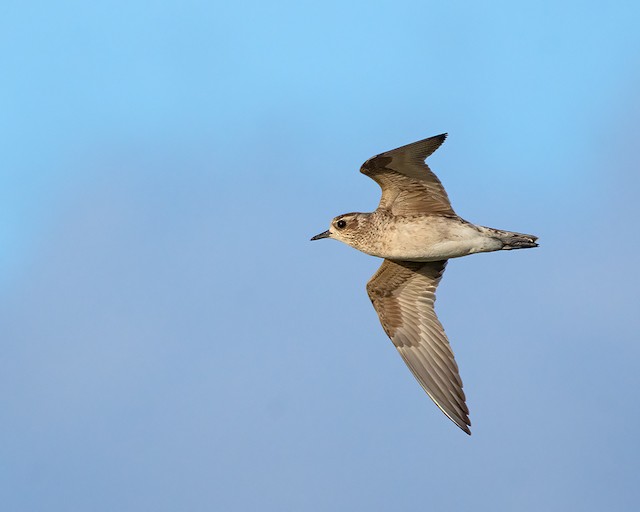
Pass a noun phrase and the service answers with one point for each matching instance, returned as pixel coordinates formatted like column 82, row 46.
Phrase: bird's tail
column 513, row 240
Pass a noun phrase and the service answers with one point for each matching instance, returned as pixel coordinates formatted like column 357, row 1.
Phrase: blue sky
column 171, row 340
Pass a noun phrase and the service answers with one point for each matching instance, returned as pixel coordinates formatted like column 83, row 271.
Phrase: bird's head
column 345, row 228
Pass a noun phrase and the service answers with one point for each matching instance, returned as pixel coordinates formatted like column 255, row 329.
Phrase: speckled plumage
column 416, row 231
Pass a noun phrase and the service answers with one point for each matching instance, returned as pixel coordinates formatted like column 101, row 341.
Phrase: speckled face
column 345, row 227
column 345, row 222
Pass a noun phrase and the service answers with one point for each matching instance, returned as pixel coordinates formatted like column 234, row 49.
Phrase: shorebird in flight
column 416, row 231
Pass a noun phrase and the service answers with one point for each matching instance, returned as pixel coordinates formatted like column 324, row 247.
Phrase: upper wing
column 403, row 294
column 408, row 185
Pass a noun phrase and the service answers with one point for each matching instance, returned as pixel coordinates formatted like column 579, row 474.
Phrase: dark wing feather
column 408, row 185
column 403, row 295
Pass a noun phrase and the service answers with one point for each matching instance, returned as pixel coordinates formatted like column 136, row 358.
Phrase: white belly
column 432, row 239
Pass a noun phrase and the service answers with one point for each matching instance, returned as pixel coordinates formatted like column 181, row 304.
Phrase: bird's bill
column 324, row 234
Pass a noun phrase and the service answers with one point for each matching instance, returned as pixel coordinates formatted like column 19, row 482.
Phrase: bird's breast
column 426, row 238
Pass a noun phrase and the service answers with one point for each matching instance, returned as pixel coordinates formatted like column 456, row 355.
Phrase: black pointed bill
column 324, row 234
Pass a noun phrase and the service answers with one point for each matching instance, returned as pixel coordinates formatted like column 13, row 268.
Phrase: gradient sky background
column 171, row 340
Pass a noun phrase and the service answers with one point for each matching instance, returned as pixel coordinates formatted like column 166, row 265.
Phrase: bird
column 416, row 231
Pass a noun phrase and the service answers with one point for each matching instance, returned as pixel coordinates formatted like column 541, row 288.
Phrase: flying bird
column 416, row 231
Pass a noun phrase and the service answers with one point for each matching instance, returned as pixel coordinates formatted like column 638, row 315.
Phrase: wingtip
column 429, row 146
column 462, row 423
column 423, row 148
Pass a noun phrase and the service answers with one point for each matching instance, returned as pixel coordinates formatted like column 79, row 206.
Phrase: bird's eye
column 341, row 224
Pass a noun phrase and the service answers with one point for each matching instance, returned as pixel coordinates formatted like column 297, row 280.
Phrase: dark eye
column 341, row 224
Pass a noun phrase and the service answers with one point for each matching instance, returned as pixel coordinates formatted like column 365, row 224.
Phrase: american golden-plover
column 416, row 231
